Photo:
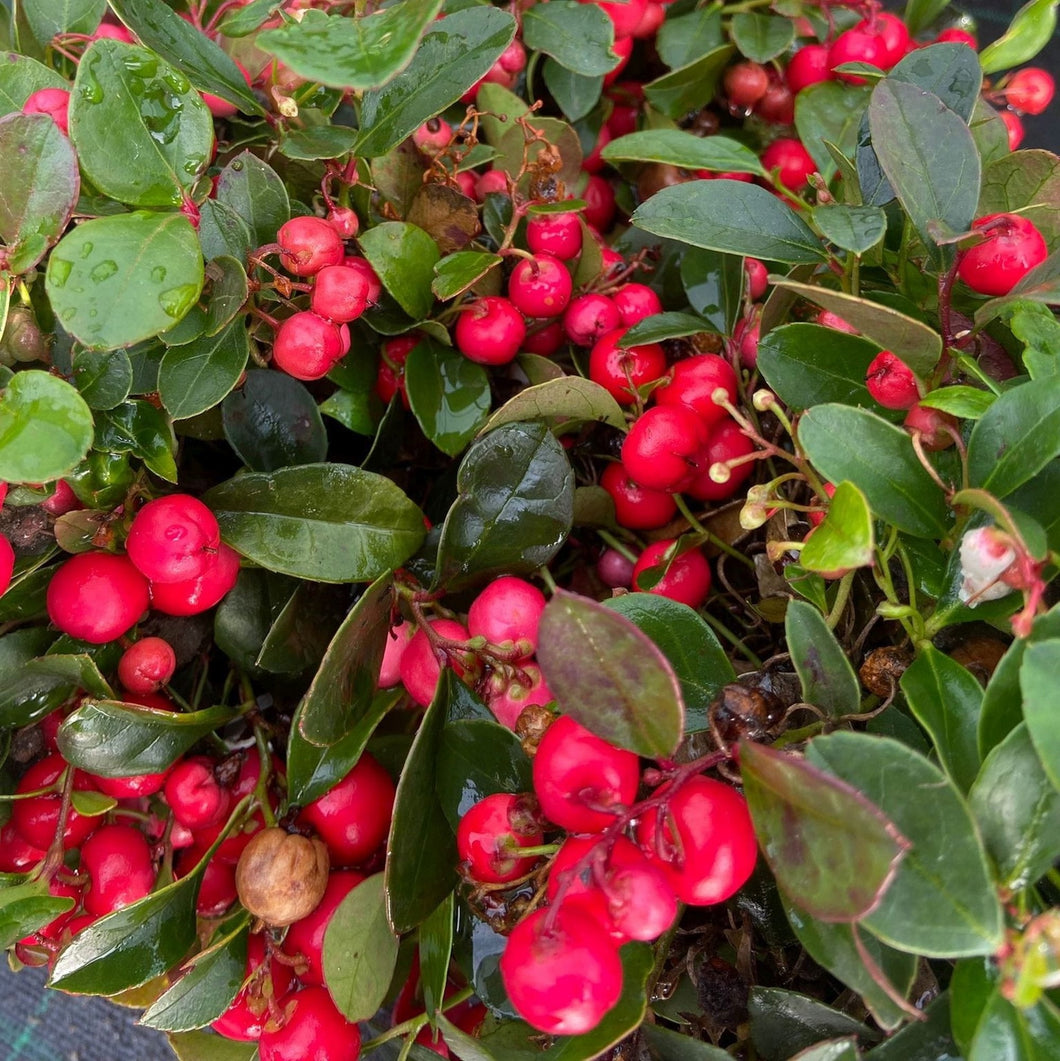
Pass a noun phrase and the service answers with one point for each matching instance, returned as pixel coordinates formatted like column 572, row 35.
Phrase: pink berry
column 935, row 429
column 266, row 980
column 687, row 578
column 308, row 347
column 600, row 204
column 557, row 234
column 397, row 641
column 55, row 102
column 508, row 695
column 507, row 612
column 340, row 294
column 194, row 794
column 97, row 596
column 308, row 244
column 757, row 280
column 589, row 317
column 956, row 35
column 490, row 834
column 419, row 665
column 891, row 382
column 1013, row 128
column 147, row 664
column 7, row 564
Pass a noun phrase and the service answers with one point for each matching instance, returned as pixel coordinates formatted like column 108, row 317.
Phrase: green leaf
column 877, row 457
column 689, row 87
column 942, row 901
column 360, row 951
column 46, row 18
column 925, row 1040
column 104, row 377
column 1027, row 181
column 143, row 134
column 830, row 111
column 451, row 57
column 808, row 364
column 39, row 185
column 114, row 281
column 457, row 273
column 690, row 646
column 682, row 40
column 1007, row 1033
column 677, row 1047
column 206, row 1045
column 851, row 228
column 222, row 231
column 324, row 522
column 713, row 283
column 435, row 950
column 1018, row 811
column 578, row 36
column 920, row 14
column 930, row 159
column 195, row 377
column 762, row 37
column 206, row 988
column 139, row 428
column 24, row 908
column 918, row 345
column 675, row 147
column 30, row 688
column 421, row 849
column 351, row 53
column 300, row 634
column 1029, row 31
column 113, row 739
column 1017, row 436
column 271, row 421
column 945, row 698
column 404, row 257
column 576, row 94
column 730, row 216
column 967, row 403
column 832, row 851
column 20, row 77
column 45, row 428
column 1037, row 672
column 317, row 142
column 448, row 394
column 208, row 67
column 949, row 70
column 827, row 678
column 609, row 676
column 257, row 195
column 670, row 324
column 561, row 403
column 514, row 506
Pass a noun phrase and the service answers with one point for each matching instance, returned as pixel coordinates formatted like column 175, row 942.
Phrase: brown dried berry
column 882, row 669
column 742, row 712
column 981, row 655
column 281, row 876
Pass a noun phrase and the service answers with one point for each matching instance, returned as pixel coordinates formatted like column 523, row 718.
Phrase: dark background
column 40, row 1025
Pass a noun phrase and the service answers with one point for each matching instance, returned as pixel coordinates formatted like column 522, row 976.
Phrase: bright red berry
column 195, row 595
column 557, row 234
column 664, row 448
column 687, row 577
column 7, row 564
column 826, row 318
column 340, row 294
column 146, row 665
column 490, row 331
column 892, row 382
column 36, row 819
column 956, row 35
column 599, row 199
column 490, row 835
column 305, row 938
column 540, row 286
column 308, row 347
column 636, row 507
column 757, row 278
column 173, row 539
column 55, row 102
column 312, row 1030
column 808, row 66
column 589, row 317
column 118, row 860
column 693, row 383
column 1013, row 128
column 726, row 445
column 1011, row 248
column 307, row 244
column 419, row 665
column 364, row 267
column 96, row 596
column 266, row 983
column 544, row 338
column 1030, row 90
column 634, row 302
column 623, row 370
column 507, row 611
column 194, row 794
column 791, row 160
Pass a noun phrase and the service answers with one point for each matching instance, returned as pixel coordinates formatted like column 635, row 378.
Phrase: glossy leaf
column 300, row 634
column 143, row 134
column 846, row 539
column 195, row 377
column 578, row 36
column 576, row 94
column 852, row 228
column 926, row 1040
column 421, row 849
column 452, row 56
column 1038, row 670
column 691, row 86
column 114, row 281
column 271, row 421
column 45, row 428
column 435, row 950
column 137, row 427
column 713, row 283
column 785, row 1021
column 966, row 403
column 690, row 646
column 830, row 111
column 677, row 1047
column 676, row 147
column 762, row 37
column 561, row 403
column 459, row 272
column 1017, row 809
column 833, row 852
column 1029, row 31
column 945, row 698
column 103, row 377
column 205, row 1045
column 242, row 21
column 256, row 194
column 688, row 37
column 827, row 678
column 46, row 18
column 1016, row 437
column 917, row 344
column 670, row 324
column 404, row 257
column 222, row 231
column 730, row 216
column 609, row 676
column 1007, row 1033
column 448, row 394
column 948, row 69
column 1027, row 181
column 325, row 522
column 21, row 76
column 113, row 739
column 942, row 901
column 514, row 508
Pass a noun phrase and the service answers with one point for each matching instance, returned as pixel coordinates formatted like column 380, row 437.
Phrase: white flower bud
column 985, row 557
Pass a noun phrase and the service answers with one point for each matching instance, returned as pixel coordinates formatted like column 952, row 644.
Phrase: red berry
column 557, row 234
column 935, row 429
column 636, row 507
column 195, row 595
column 1012, row 247
column 132, row 787
column 714, row 850
column 218, row 889
column 623, row 370
column 580, row 780
column 507, row 697
column 634, row 302
column 777, row 104
column 892, row 382
column 808, row 66
column 588, row 317
column 956, row 35
column 434, row 136
column 62, row 501
column 856, row 46
column 245, row 1018
column 308, row 347
column 745, row 83
column 419, row 666
column 146, row 665
column 544, row 338
column 828, row 319
column 308, row 244
column 344, row 221
column 118, row 860
column 793, row 162
column 353, row 818
column 664, row 448
column 507, row 611
column 96, row 596
column 757, row 275
column 599, row 199
column 364, row 267
column 173, row 539
column 36, row 819
column 55, row 102
column 194, row 794
column 7, row 564
column 726, row 442
column 17, row 854
column 624, row 16
column 306, row 937
column 1013, row 127
column 540, row 286
column 892, row 31
column 490, row 331
column 340, row 294
column 490, row 834
column 313, row 1030
column 693, row 383
column 561, row 970
column 687, row 578
column 397, row 641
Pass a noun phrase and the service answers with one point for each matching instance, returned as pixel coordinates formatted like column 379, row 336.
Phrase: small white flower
column 985, row 557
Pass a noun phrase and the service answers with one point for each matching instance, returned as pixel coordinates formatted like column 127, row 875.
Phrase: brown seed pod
column 281, row 876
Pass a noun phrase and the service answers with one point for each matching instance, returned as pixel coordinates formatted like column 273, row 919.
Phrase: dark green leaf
column 673, row 1046
column 942, row 900
column 667, row 325
column 561, row 403
column 300, row 634
column 832, row 851
column 228, row 290
column 104, row 378
column 114, row 281
column 688, row 643
column 1017, row 436
column 143, row 134
column 139, row 428
column 222, row 231
column 20, row 77
column 576, row 94
column 1007, row 1033
column 730, row 216
column 949, row 70
column 675, row 147
column 421, row 849
column 514, row 509
column 436, row 948
column 256, row 193
column 989, row 132
column 45, row 428
column 49, row 17
column 851, row 228
column 1027, row 181
column 713, row 283
column 684, row 39
column 827, row 678
column 195, row 377
column 324, row 522
column 457, row 273
column 609, row 676
column 205, row 63
column 248, row 612
column 206, row 1045
column 926, row 1040
column 762, row 37
column 689, row 87
column 946, row 699
column 920, row 14
column 404, row 257
column 113, row 739
column 360, row 951
column 1038, row 670
column 830, row 111
column 930, row 159
column 452, row 56
column 783, row 1022
column 317, row 141
column 26, row 696
column 26, row 907
column 448, row 394
column 1029, row 31
column 1018, row 811
column 578, row 36
column 878, row 458
column 271, row 421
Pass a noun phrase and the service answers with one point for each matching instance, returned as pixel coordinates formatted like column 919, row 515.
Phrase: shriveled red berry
column 118, row 860
column 172, row 539
column 96, row 596
column 147, row 664
column 1012, row 246
column 687, row 577
column 490, row 331
column 490, row 834
column 892, row 382
column 194, row 794
column 308, row 244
